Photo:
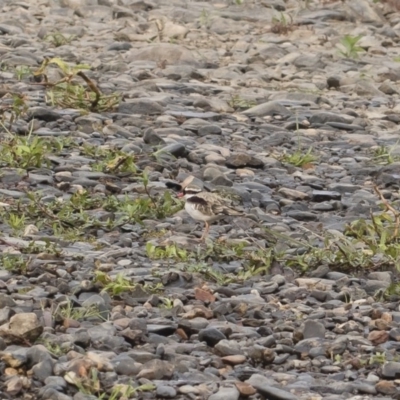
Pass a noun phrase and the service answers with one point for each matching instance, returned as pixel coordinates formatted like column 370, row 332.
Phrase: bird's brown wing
column 201, row 205
column 226, row 210
column 211, row 204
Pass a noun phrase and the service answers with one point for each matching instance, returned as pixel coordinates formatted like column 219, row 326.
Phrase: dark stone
column 120, row 46
column 211, row 336
column 150, row 137
column 209, row 130
column 333, row 82
column 324, row 195
column 44, row 114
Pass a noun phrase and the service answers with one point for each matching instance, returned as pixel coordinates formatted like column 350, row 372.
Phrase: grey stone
column 313, row 329
column 383, row 276
column 242, row 160
column 165, row 392
column 225, row 393
column 391, row 370
column 43, row 369
column 209, row 130
column 269, row 108
column 228, row 347
column 150, row 137
column 141, row 106
column 6, row 301
column 264, row 387
column 125, row 365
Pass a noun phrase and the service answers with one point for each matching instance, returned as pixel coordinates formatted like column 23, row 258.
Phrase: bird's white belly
column 198, row 215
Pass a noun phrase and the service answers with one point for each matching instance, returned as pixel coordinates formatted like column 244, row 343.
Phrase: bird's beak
column 180, row 194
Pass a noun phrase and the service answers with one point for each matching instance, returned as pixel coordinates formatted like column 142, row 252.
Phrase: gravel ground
column 288, row 107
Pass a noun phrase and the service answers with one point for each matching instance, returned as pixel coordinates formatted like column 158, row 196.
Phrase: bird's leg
column 194, row 229
column 205, row 233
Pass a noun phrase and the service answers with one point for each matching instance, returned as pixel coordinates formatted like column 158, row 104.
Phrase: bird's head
column 189, row 191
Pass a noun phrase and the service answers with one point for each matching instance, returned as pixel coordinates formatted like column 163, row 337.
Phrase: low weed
column 54, row 348
column 282, row 25
column 205, row 19
column 120, row 284
column 22, row 72
column 15, row 263
column 87, row 385
column 256, row 262
column 30, row 151
column 167, row 303
column 13, row 106
column 350, row 48
column 66, row 310
column 366, row 244
column 16, row 222
column 300, row 158
column 116, row 286
column 57, row 39
column 239, row 103
column 383, row 155
column 170, row 251
column 75, row 89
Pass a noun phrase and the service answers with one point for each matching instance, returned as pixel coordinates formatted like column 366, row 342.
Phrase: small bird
column 205, row 206
column 221, row 191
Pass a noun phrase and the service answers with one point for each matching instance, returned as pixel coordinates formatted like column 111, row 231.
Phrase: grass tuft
column 350, row 48
column 75, row 89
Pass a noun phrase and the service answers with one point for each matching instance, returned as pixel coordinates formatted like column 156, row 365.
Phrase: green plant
column 282, row 25
column 68, row 92
column 170, row 251
column 392, row 290
column 377, row 358
column 89, row 385
column 366, row 243
column 12, row 108
column 167, row 303
column 120, row 284
column 127, row 391
column 383, row 155
column 66, row 310
column 53, row 348
column 205, row 19
column 57, row 39
column 22, row 72
column 16, row 222
column 337, row 358
column 238, row 103
column 24, row 152
column 116, row 286
column 144, row 207
column 299, row 158
column 115, row 161
column 15, row 263
column 27, row 151
column 350, row 46
column 210, row 273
